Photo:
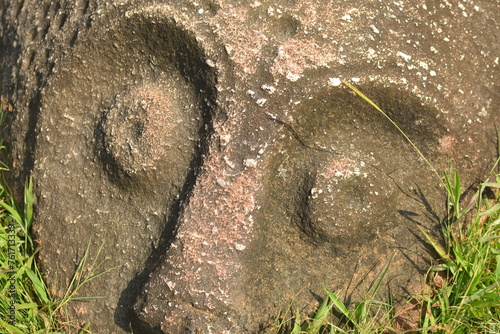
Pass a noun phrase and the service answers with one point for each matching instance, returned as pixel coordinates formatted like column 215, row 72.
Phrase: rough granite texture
column 212, row 148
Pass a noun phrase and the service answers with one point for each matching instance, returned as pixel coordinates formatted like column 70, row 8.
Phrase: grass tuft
column 467, row 300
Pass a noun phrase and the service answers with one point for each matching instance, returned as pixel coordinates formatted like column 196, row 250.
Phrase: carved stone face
column 214, row 151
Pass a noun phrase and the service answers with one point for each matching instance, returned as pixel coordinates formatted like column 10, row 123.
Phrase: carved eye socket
column 152, row 121
column 147, row 126
column 351, row 171
column 349, row 198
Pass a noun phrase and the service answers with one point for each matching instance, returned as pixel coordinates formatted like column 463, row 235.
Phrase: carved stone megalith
column 213, row 149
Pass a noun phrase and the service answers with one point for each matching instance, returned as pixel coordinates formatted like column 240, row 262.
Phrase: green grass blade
column 489, row 238
column 13, row 212
column 454, row 191
column 482, row 293
column 485, row 303
column 26, row 306
column 28, row 203
column 441, row 252
column 340, row 306
column 490, row 211
column 378, row 281
column 449, row 186
column 38, row 285
column 491, row 184
column 296, row 324
column 9, row 328
column 360, row 309
column 457, row 188
column 319, row 317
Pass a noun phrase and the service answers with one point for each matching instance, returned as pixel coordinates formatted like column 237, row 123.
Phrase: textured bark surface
column 212, row 149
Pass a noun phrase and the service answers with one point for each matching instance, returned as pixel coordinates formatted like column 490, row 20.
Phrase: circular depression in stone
column 146, row 126
column 349, row 197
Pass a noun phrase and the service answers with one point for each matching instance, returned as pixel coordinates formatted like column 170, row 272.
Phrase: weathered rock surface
column 212, row 148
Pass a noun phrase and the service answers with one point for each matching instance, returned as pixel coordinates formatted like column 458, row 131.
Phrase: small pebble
column 250, row 163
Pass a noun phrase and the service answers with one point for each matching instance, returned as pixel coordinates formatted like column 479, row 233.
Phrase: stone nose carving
column 213, row 149
column 196, row 285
